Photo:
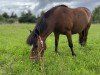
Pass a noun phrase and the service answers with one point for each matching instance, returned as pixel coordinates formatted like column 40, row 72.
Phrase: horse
column 63, row 20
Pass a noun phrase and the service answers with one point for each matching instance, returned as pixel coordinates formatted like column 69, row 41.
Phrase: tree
column 5, row 18
column 13, row 15
column 2, row 19
column 27, row 17
column 5, row 15
column 11, row 20
column 23, row 18
column 96, row 15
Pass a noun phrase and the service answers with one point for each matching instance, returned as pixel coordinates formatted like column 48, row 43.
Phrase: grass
column 14, row 53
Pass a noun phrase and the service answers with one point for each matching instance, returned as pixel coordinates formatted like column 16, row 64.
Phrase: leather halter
column 41, row 41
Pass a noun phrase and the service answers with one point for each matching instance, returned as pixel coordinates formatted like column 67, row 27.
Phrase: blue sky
column 37, row 6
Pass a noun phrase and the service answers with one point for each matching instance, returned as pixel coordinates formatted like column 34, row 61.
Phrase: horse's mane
column 49, row 12
column 41, row 25
column 39, row 28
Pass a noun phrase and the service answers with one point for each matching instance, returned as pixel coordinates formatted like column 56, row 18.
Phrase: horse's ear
column 30, row 31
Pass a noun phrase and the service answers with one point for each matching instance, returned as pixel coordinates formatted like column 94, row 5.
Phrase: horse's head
column 36, row 41
column 38, row 46
column 37, row 49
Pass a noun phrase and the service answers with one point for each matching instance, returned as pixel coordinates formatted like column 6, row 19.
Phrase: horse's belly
column 77, row 29
column 75, row 32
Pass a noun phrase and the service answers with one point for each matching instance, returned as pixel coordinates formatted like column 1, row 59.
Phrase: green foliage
column 5, row 15
column 11, row 20
column 27, row 17
column 13, row 15
column 24, row 18
column 14, row 54
column 5, row 18
column 38, row 17
column 2, row 19
column 96, row 15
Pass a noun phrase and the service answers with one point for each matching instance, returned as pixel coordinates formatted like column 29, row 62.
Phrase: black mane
column 41, row 26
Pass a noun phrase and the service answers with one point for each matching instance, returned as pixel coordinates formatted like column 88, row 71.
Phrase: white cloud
column 38, row 5
column 16, row 6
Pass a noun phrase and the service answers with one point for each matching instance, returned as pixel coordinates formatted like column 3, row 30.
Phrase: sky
column 36, row 6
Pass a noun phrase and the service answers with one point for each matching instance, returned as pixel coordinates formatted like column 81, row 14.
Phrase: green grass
column 14, row 53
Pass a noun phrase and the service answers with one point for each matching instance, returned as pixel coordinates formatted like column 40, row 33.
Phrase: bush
column 2, row 19
column 27, row 18
column 11, row 20
column 5, row 15
column 96, row 15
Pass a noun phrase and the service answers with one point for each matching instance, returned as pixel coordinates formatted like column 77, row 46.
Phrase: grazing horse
column 60, row 20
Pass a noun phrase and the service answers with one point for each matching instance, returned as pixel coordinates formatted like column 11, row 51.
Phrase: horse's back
column 74, row 19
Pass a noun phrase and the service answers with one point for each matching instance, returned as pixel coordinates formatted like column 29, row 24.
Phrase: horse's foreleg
column 56, row 41
column 69, row 36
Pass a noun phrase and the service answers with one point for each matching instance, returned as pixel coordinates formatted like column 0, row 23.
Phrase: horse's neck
column 46, row 33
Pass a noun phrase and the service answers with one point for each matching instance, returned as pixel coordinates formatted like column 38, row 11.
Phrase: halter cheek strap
column 41, row 41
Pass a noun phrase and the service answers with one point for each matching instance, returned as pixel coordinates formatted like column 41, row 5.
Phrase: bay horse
column 60, row 19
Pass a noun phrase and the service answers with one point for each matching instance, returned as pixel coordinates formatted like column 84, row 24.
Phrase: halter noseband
column 41, row 41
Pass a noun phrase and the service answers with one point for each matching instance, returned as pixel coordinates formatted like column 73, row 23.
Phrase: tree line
column 27, row 17
column 96, row 15
column 30, row 18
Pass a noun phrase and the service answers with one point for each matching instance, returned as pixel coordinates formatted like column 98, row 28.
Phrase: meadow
column 14, row 53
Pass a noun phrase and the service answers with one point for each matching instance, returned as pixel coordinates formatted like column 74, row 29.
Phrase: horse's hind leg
column 56, row 41
column 83, row 36
column 69, row 36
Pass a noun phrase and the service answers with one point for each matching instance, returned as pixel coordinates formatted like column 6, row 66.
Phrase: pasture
column 14, row 53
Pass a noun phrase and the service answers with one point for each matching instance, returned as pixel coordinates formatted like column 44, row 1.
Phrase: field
column 14, row 53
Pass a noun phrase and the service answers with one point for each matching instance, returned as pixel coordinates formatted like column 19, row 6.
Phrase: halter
column 41, row 41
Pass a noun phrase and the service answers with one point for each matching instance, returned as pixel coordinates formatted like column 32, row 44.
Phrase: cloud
column 38, row 5
column 16, row 6
column 47, row 4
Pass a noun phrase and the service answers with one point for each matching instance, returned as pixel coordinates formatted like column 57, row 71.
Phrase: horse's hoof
column 56, row 52
column 74, row 55
column 83, row 44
